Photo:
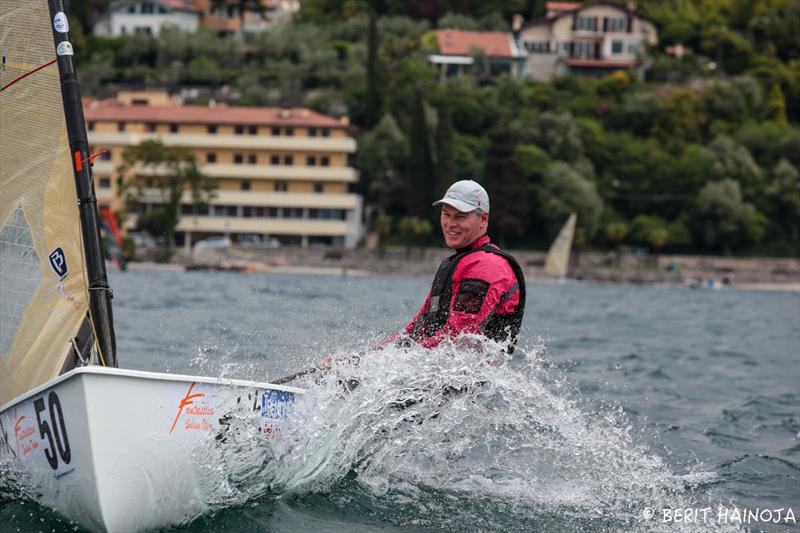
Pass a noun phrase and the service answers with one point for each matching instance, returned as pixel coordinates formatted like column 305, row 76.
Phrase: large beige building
column 282, row 173
column 590, row 38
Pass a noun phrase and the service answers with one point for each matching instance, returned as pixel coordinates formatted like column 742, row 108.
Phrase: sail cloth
column 557, row 262
column 42, row 275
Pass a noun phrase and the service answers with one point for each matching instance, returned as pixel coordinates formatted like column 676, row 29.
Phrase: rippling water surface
column 620, row 400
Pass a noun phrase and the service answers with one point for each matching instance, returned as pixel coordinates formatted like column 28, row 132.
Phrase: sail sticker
column 65, row 49
column 60, row 22
column 58, row 262
column 3, row 64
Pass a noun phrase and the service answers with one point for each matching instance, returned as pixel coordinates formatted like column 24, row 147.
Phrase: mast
column 99, row 291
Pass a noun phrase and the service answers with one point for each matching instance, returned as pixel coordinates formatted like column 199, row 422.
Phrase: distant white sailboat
column 557, row 261
column 110, row 449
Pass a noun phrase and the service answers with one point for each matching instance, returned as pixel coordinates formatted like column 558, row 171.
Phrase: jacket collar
column 480, row 241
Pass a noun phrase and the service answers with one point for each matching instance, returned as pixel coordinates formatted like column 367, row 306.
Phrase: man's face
column 462, row 229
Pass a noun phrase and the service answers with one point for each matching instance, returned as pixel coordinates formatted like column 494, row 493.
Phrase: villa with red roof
column 589, row 38
column 494, row 52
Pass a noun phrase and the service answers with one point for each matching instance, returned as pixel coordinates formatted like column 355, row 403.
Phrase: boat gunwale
column 147, row 375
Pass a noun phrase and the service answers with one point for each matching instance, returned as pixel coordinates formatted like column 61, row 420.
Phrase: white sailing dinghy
column 105, row 447
column 557, row 261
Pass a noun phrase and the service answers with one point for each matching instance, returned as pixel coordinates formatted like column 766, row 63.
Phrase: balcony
column 233, row 142
column 254, row 172
column 269, row 199
column 271, row 226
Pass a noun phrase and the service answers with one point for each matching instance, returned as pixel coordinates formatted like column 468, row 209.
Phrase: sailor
column 479, row 289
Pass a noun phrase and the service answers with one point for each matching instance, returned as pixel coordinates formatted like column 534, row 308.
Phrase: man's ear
column 485, row 218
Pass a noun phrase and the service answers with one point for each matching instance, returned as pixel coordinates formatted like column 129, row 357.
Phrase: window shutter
column 605, row 24
column 630, row 24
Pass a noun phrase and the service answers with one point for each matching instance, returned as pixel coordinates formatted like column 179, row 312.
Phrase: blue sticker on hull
column 276, row 404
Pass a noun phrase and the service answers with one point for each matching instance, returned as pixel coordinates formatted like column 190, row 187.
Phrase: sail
column 43, row 293
column 557, row 262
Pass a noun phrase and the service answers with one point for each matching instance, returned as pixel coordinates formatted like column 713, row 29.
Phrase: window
column 232, row 210
column 212, row 129
column 162, row 10
column 244, row 185
column 147, row 7
column 312, row 132
column 615, row 24
column 239, row 130
column 120, row 126
column 541, row 47
column 272, row 212
column 252, row 130
column 247, row 211
column 276, row 131
column 186, row 209
column 583, row 50
column 258, row 212
column 211, row 158
column 326, row 132
column 281, row 186
column 324, row 160
column 148, row 182
column 201, row 209
column 91, row 126
column 131, row 9
column 150, row 127
column 251, row 159
column 238, row 159
column 173, row 128
column 616, row 47
column 288, row 160
column 106, row 156
column 311, row 160
column 289, row 132
column 292, row 212
column 218, row 211
column 275, row 160
column 313, row 213
column 105, row 182
column 633, row 46
column 586, row 24
column 318, row 187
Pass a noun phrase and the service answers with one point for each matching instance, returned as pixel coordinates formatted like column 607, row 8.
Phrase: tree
column 776, row 106
column 783, row 193
column 564, row 191
column 421, row 173
column 652, row 231
column 174, row 172
column 413, row 230
column 616, row 233
column 445, row 157
column 381, row 158
column 681, row 117
column 734, row 162
column 506, row 184
column 722, row 221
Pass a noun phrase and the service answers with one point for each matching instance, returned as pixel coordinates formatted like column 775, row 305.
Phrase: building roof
column 556, row 10
column 461, row 43
column 195, row 114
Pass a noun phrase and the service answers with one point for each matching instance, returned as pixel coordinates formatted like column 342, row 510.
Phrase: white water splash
column 462, row 436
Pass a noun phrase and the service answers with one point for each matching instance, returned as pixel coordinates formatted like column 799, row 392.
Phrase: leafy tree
column 734, row 162
column 564, row 191
column 421, row 173
column 784, row 195
column 558, row 135
column 174, row 172
column 637, row 113
column 776, row 106
column 651, row 231
column 505, row 182
column 445, row 158
column 381, row 158
column 414, row 230
column 616, row 233
column 723, row 221
column 681, row 117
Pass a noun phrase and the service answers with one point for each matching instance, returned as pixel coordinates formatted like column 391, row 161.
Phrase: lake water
column 621, row 403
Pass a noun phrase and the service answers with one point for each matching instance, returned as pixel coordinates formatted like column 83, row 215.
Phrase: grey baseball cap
column 466, row 196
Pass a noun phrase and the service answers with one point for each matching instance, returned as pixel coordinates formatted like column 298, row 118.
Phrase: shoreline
column 700, row 272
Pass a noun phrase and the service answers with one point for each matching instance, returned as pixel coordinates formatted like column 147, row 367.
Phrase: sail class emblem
column 58, row 262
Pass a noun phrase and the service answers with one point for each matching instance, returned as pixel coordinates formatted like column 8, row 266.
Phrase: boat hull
column 113, row 450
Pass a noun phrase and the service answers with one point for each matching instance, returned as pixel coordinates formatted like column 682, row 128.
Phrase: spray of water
column 462, row 437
